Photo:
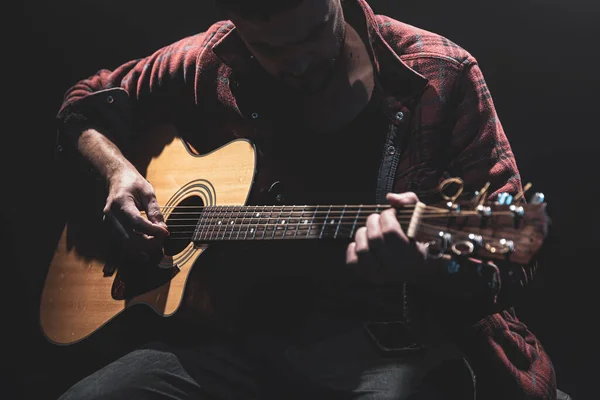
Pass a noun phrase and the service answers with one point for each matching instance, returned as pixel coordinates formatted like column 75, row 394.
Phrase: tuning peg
column 519, row 197
column 482, row 196
column 537, row 198
column 477, row 240
column 505, row 198
column 484, row 211
column 518, row 212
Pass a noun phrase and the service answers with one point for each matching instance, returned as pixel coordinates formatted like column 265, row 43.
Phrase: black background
column 539, row 59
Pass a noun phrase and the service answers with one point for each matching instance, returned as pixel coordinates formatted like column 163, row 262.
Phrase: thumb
column 401, row 199
column 155, row 216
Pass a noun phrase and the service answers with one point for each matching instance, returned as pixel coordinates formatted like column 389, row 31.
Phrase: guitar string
column 298, row 205
column 215, row 221
column 423, row 228
column 324, row 210
column 311, row 211
column 280, row 211
column 321, row 208
column 274, row 209
column 289, row 214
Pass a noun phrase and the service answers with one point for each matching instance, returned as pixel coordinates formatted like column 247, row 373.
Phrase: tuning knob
column 477, row 240
column 484, row 211
column 505, row 198
column 504, row 246
column 537, row 198
column 445, row 240
column 518, row 211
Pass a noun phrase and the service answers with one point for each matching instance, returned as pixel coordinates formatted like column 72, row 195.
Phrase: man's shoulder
column 196, row 44
column 410, row 42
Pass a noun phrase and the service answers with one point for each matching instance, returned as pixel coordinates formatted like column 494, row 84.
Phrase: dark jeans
column 327, row 360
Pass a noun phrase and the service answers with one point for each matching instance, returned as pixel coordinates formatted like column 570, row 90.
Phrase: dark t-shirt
column 277, row 283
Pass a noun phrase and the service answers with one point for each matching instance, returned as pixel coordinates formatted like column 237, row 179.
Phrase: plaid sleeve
column 140, row 90
column 480, row 149
column 507, row 358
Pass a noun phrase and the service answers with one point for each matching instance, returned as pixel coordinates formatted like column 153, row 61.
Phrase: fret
column 216, row 223
column 299, row 221
column 199, row 225
column 324, row 223
column 290, row 223
column 339, row 222
column 208, row 223
column 222, row 223
column 229, row 222
column 232, row 223
column 253, row 214
column 294, row 221
column 276, row 226
column 312, row 221
column 243, row 213
column 268, row 218
column 206, row 228
column 240, row 216
column 287, row 222
column 306, row 222
column 353, row 229
column 256, row 214
column 249, row 210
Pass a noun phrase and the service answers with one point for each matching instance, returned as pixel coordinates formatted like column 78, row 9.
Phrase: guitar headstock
column 504, row 229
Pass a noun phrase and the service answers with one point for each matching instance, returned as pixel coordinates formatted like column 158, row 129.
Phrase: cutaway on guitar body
column 89, row 281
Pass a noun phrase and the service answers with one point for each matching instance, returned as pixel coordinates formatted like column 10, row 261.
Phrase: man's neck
column 349, row 91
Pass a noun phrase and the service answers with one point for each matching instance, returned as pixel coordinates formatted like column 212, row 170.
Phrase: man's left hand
column 381, row 250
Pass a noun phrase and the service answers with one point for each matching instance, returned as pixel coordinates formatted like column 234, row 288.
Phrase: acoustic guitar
column 204, row 200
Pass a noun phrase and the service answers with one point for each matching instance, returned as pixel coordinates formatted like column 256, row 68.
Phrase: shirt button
column 399, row 116
column 110, row 99
column 391, row 150
column 254, row 115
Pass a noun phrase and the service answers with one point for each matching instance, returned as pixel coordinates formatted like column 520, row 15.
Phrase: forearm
column 101, row 153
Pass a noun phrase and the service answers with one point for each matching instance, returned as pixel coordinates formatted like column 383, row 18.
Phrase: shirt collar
column 392, row 71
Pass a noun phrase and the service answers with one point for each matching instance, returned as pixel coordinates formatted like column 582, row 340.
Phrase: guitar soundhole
column 181, row 222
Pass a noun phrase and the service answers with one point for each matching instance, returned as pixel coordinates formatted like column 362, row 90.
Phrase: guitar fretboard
column 218, row 223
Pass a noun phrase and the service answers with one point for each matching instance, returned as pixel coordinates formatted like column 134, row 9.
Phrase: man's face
column 298, row 46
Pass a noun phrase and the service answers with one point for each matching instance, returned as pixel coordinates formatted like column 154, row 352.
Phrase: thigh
column 346, row 364
column 157, row 371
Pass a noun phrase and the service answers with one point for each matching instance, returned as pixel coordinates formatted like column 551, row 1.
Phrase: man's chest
column 325, row 169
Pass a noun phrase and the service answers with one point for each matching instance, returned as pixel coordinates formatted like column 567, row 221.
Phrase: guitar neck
column 234, row 223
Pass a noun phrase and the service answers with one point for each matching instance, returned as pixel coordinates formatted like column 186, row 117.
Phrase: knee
column 128, row 377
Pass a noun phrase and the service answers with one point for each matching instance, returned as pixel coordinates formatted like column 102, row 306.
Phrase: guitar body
column 89, row 282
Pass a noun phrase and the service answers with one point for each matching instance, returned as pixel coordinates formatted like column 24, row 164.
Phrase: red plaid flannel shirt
column 454, row 131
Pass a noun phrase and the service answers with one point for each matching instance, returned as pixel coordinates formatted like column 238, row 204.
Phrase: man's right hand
column 129, row 194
